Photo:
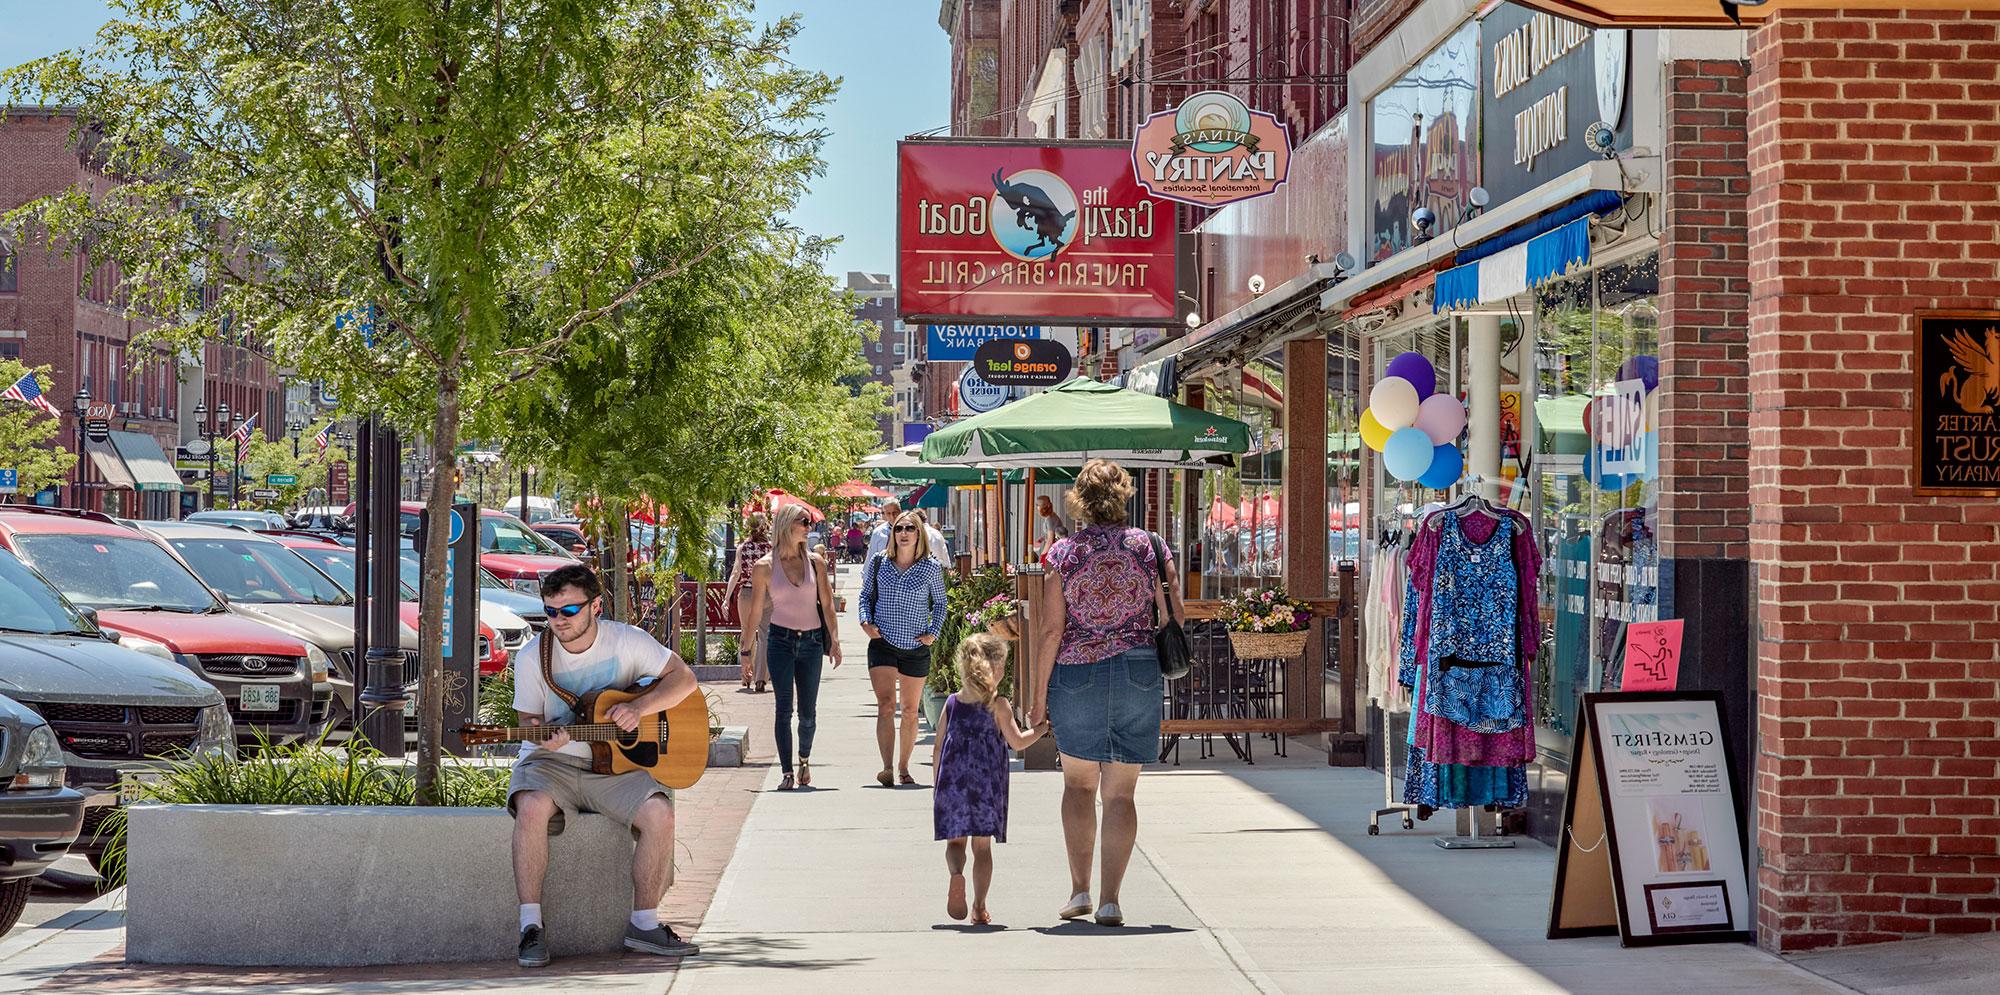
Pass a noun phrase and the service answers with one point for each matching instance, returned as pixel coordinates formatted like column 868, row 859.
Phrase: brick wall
column 1875, row 190
column 1374, row 19
column 1704, row 314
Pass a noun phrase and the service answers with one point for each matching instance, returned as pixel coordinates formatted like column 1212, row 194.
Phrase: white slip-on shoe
column 1109, row 915
column 1078, row 907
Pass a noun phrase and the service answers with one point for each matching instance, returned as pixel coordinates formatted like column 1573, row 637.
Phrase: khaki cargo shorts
column 575, row 789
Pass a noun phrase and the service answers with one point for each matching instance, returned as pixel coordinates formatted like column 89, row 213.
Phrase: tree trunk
column 621, row 558
column 430, row 682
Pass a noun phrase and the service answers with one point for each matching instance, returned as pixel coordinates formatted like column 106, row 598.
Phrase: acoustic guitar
column 672, row 746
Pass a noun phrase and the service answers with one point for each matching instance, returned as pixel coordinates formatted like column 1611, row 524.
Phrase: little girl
column 969, row 764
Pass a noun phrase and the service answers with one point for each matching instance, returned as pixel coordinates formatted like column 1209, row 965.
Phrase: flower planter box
column 932, row 706
column 302, row 886
column 1269, row 645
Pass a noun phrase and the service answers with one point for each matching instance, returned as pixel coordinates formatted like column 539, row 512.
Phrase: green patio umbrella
column 1082, row 420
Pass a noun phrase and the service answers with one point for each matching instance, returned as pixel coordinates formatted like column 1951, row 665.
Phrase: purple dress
column 970, row 798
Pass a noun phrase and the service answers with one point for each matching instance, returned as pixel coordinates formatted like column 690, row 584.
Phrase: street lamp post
column 82, row 409
column 292, row 428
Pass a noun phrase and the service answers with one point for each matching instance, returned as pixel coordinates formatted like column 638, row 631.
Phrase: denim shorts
column 1108, row 711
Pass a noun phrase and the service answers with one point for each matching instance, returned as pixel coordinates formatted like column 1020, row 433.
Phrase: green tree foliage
column 28, row 435
column 427, row 204
column 273, row 457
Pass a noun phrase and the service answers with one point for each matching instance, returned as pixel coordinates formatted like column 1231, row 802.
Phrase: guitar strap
column 548, row 671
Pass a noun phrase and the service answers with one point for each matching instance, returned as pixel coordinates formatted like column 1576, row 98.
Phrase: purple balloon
column 1646, row 368
column 1418, row 371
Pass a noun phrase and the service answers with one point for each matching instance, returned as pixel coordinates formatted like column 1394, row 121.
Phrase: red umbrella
column 1220, row 514
column 857, row 489
column 778, row 498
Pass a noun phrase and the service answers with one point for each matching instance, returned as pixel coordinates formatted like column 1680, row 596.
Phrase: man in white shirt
column 552, row 782
column 878, row 540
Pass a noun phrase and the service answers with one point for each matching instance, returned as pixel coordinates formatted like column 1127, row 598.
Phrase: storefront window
column 1243, row 529
column 1345, row 397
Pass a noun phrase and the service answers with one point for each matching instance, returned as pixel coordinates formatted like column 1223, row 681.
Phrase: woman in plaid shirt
column 902, row 610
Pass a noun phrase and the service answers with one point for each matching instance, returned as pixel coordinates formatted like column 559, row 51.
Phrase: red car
column 272, row 682
column 508, row 549
column 337, row 561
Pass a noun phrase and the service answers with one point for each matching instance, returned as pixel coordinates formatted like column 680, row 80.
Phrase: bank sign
column 999, row 232
column 958, row 343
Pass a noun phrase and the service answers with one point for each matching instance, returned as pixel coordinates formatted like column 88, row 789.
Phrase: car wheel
column 13, row 898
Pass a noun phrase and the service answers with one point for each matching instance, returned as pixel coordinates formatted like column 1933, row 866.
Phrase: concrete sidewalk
column 1247, row 879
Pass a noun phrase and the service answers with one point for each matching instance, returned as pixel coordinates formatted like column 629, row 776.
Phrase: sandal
column 905, row 778
column 954, row 899
column 760, row 687
column 885, row 778
column 786, row 784
column 805, row 773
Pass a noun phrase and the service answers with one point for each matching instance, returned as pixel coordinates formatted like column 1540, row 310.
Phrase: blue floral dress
column 970, row 798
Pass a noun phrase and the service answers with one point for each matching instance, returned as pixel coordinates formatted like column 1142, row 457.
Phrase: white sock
column 645, row 919
column 531, row 915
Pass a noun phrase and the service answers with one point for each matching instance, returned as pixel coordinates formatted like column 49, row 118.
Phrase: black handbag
column 1169, row 639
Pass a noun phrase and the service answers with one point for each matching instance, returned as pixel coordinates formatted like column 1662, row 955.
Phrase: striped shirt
column 904, row 604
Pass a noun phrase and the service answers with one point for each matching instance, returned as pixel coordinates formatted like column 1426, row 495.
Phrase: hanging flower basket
column 1000, row 615
column 1268, row 645
column 1007, row 627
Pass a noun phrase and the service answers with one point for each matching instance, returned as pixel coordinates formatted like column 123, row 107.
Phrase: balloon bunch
column 1616, row 422
column 1414, row 427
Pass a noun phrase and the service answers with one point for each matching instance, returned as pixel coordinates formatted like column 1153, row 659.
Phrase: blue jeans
column 795, row 659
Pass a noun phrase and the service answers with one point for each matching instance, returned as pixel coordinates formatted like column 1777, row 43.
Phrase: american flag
column 242, row 437
column 322, row 440
column 27, row 391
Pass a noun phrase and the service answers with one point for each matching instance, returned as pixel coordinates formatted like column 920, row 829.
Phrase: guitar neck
column 596, row 732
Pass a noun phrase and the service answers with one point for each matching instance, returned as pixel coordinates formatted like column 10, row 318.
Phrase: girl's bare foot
column 981, row 917
column 954, row 900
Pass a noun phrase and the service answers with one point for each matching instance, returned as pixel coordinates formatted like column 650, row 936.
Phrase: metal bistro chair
column 1211, row 690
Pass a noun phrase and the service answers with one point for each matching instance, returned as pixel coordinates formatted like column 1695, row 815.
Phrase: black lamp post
column 293, row 427
column 82, row 409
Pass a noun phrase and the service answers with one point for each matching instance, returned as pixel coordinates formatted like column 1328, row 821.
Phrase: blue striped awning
column 1512, row 270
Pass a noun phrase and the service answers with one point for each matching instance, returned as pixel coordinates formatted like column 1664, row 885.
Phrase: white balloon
column 1394, row 402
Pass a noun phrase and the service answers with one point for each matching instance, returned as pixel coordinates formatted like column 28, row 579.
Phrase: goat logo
column 1033, row 214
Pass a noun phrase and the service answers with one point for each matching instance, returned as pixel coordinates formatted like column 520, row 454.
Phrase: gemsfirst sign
column 1022, row 362
column 998, row 232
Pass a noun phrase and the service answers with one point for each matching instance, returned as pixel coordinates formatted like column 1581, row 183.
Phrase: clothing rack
column 1395, row 539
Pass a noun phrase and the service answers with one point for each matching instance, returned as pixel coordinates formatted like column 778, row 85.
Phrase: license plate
column 257, row 699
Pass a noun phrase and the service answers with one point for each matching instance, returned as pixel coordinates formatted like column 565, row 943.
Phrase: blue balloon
column 1407, row 454
column 1447, row 465
column 1642, row 368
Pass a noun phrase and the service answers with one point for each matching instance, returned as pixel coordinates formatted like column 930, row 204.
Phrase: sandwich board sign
column 1652, row 839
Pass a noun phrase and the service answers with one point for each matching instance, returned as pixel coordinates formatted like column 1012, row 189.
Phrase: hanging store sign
column 1547, row 83
column 337, row 483
column 1022, row 363
column 976, row 394
column 1030, row 232
column 1211, row 150
column 1652, row 836
column 957, row 343
column 1957, row 365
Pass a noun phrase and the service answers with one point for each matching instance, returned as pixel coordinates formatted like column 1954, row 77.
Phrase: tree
column 273, row 457
column 422, row 203
column 26, row 434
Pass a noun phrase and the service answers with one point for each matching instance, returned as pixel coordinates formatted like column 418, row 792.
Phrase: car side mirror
column 577, row 547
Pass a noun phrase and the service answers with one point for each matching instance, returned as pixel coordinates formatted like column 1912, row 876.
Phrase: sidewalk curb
column 111, row 902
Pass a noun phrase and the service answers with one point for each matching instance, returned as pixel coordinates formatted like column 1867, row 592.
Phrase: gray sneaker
column 660, row 940
column 533, row 952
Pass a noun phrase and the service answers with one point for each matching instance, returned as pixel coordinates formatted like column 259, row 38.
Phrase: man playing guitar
column 553, row 781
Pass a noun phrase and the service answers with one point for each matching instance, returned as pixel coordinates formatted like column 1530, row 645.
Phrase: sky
column 893, row 59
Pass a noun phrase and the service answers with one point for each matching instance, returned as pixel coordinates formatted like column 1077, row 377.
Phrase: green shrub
column 963, row 598
column 302, row 773
column 725, row 654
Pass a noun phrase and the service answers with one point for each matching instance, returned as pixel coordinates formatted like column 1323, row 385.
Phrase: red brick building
column 59, row 311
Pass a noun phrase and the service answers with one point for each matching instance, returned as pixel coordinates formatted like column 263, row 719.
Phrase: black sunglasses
column 566, row 611
column 906, row 528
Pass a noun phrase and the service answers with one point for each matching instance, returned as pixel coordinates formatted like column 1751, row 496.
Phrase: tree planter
column 359, row 885
column 1269, row 645
column 932, row 705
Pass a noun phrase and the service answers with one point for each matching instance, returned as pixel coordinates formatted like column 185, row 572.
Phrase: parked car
column 569, row 534
column 267, row 581
column 492, row 590
column 516, row 554
column 325, row 518
column 137, row 586
column 111, row 709
column 510, row 631
column 40, row 816
column 252, row 520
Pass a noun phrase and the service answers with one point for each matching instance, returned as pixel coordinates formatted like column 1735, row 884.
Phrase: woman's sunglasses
column 906, row 528
column 566, row 611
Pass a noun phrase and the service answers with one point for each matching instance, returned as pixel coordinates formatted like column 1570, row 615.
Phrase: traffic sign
column 281, row 479
column 263, row 494
column 98, row 429
column 10, row 481
column 457, row 528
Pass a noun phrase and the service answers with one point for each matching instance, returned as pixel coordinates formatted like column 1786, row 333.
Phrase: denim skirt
column 1108, row 710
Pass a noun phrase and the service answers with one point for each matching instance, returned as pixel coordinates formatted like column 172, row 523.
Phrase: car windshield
column 339, row 565
column 29, row 604
column 489, row 582
column 256, row 572
column 251, row 521
column 504, row 535
column 115, row 572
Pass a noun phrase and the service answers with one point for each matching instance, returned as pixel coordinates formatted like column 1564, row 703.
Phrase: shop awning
column 1531, row 255
column 110, row 468
column 147, row 462
column 1081, row 420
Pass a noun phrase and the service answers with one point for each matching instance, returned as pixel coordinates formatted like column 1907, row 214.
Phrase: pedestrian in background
column 903, row 611
column 1103, row 693
column 797, row 586
column 969, row 808
column 878, row 537
column 750, row 631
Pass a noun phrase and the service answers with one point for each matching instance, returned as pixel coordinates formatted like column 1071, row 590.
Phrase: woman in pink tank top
column 802, row 629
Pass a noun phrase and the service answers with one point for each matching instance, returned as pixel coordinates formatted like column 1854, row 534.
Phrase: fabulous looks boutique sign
column 1547, row 82
column 1957, row 365
column 1030, row 232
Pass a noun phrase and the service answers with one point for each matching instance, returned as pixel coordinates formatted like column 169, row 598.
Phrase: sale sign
column 1055, row 233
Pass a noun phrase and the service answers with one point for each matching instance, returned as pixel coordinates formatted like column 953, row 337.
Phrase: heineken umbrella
column 1082, row 420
